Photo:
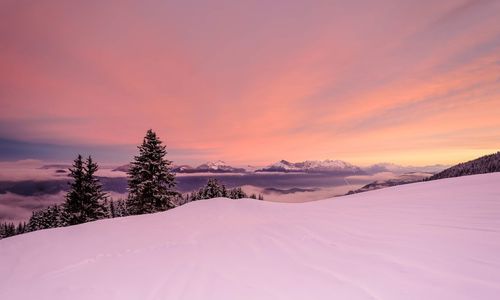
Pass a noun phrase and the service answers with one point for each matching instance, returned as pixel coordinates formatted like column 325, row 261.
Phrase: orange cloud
column 256, row 82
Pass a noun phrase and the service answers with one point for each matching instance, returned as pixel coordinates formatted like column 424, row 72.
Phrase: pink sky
column 412, row 82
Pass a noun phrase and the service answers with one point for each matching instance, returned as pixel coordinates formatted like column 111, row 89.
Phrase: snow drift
column 432, row 240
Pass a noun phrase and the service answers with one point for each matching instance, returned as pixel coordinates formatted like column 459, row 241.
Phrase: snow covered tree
column 112, row 209
column 95, row 206
column 121, row 209
column 21, row 228
column 151, row 182
column 35, row 222
column 213, row 189
column 49, row 217
column 73, row 207
column 116, row 208
column 84, row 200
column 7, row 230
column 237, row 193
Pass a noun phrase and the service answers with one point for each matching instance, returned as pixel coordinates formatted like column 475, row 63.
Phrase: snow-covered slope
column 431, row 240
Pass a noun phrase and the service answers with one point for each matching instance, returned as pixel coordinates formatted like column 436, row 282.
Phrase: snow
column 430, row 240
column 308, row 165
column 216, row 164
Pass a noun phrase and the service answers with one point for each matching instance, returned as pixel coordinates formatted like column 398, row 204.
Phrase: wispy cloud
column 250, row 81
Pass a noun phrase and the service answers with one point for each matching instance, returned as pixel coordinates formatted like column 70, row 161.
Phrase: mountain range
column 314, row 166
column 209, row 167
column 309, row 166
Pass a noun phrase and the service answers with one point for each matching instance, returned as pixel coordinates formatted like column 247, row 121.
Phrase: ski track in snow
column 431, row 240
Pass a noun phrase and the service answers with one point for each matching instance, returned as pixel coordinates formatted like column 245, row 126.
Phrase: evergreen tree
column 237, row 193
column 116, row 208
column 151, row 181
column 121, row 209
column 7, row 230
column 50, row 217
column 36, row 221
column 112, row 209
column 213, row 189
column 84, row 200
column 73, row 207
column 95, row 206
column 21, row 228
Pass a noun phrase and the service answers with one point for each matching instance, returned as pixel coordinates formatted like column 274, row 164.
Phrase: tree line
column 482, row 165
column 151, row 188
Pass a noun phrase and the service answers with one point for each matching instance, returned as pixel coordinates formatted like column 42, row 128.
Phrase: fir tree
column 237, row 193
column 151, row 181
column 21, row 228
column 95, row 207
column 7, row 230
column 112, row 209
column 36, row 221
column 50, row 217
column 121, row 209
column 84, row 200
column 213, row 190
column 73, row 207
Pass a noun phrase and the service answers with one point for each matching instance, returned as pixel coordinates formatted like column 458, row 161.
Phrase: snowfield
column 431, row 240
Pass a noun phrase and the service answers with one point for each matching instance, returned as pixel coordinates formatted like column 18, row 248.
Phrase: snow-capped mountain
column 182, row 169
column 313, row 166
column 218, row 166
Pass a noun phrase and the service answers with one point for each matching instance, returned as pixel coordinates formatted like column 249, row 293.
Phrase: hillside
column 485, row 164
column 429, row 240
column 399, row 180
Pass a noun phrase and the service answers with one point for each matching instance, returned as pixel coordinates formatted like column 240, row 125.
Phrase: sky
column 251, row 82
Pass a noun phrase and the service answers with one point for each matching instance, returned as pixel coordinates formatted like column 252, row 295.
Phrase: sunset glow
column 253, row 82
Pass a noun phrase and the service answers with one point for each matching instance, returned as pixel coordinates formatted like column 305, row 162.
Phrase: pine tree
column 237, row 193
column 84, row 200
column 95, row 207
column 36, row 221
column 21, row 228
column 121, row 209
column 73, row 207
column 213, row 190
column 7, row 230
column 112, row 209
column 151, row 181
